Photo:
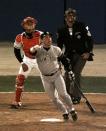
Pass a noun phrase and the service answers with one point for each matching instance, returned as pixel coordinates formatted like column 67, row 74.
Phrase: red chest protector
column 28, row 43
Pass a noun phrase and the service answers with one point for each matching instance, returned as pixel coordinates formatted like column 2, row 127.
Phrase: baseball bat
column 86, row 100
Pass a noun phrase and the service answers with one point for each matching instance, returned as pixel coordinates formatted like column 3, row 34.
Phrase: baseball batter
column 47, row 57
column 23, row 42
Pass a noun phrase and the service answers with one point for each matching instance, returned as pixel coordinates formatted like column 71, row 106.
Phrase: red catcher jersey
column 21, row 41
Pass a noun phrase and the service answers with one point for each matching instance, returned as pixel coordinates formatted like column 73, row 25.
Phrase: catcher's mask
column 29, row 23
column 45, row 34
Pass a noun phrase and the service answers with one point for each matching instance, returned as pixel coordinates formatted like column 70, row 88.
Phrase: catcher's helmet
column 29, row 23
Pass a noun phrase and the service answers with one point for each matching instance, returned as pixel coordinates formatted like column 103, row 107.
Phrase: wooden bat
column 86, row 100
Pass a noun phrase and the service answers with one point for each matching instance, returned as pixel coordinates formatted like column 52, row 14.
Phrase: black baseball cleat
column 66, row 117
column 16, row 106
column 74, row 115
column 12, row 106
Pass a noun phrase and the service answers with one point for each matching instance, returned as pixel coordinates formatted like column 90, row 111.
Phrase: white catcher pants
column 31, row 63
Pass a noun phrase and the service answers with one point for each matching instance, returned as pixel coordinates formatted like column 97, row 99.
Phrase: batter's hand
column 71, row 75
column 34, row 49
column 24, row 67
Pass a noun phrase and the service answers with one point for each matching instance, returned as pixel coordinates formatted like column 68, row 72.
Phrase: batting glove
column 71, row 75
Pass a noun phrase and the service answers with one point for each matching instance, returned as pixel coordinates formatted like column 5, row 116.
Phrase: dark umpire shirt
column 76, row 39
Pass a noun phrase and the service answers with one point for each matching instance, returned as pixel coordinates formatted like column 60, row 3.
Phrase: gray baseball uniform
column 51, row 76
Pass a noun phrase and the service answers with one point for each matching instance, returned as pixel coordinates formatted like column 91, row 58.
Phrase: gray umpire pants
column 77, row 64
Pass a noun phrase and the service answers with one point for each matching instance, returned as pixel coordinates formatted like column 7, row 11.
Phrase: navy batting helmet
column 45, row 33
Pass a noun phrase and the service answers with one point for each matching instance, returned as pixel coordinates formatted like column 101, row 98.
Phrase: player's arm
column 67, row 65
column 88, row 43
column 17, row 48
column 65, row 61
column 17, row 53
column 33, row 50
column 89, row 39
column 62, row 58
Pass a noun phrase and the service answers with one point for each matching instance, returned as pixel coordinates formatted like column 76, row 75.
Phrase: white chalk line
column 44, row 93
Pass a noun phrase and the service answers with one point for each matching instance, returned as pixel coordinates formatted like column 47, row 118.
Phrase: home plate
column 51, row 120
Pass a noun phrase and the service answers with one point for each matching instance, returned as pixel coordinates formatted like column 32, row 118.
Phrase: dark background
column 50, row 15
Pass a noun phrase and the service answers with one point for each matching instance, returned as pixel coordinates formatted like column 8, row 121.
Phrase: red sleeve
column 18, row 38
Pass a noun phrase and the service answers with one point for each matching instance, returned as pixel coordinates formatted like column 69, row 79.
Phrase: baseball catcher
column 23, row 42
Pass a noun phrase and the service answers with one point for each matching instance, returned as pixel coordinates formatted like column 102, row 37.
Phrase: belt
column 51, row 74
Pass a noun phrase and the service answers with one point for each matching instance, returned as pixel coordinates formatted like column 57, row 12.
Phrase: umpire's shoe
column 74, row 114
column 76, row 100
column 66, row 117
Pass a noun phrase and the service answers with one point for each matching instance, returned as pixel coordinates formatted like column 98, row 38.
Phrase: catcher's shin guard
column 19, row 87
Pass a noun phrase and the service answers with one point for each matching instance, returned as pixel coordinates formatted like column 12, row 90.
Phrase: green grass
column 31, row 84
column 94, row 84
column 34, row 84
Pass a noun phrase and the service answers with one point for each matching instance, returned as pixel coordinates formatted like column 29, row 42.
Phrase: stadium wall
column 50, row 16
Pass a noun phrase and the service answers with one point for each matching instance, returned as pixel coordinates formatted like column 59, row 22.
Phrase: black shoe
column 76, row 100
column 66, row 117
column 13, row 106
column 74, row 115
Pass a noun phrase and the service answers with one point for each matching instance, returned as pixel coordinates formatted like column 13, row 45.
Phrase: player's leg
column 68, row 83
column 53, row 94
column 78, row 66
column 19, row 86
column 61, row 88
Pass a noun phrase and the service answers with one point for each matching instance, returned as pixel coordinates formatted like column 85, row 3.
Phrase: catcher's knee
column 20, row 80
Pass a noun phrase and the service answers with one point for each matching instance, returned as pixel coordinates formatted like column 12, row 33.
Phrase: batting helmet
column 29, row 23
column 45, row 34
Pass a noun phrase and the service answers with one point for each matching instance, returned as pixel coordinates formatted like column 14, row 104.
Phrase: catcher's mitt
column 24, row 67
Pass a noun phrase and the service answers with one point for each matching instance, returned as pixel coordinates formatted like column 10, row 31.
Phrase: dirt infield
column 37, row 106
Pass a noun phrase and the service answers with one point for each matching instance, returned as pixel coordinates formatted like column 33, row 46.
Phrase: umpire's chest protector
column 77, row 40
column 79, row 32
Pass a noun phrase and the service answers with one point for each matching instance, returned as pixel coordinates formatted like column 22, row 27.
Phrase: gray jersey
column 47, row 60
column 54, row 85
